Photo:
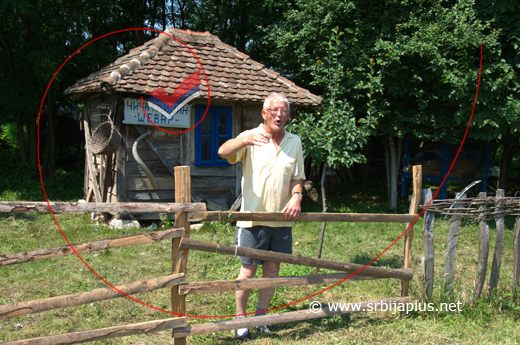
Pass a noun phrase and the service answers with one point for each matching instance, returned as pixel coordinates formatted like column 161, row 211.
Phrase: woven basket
column 105, row 139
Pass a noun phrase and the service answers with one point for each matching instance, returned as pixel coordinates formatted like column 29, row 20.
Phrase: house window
column 215, row 130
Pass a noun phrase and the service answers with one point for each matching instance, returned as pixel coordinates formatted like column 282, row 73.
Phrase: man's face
column 276, row 115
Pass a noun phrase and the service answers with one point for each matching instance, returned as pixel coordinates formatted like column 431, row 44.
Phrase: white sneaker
column 265, row 330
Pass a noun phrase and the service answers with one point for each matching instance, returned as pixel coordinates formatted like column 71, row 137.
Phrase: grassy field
column 492, row 320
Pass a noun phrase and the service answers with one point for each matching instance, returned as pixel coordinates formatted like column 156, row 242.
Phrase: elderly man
column 273, row 173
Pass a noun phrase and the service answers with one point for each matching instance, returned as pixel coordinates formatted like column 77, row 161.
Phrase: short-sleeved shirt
column 267, row 174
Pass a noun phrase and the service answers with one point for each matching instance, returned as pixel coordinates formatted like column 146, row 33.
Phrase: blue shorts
column 262, row 237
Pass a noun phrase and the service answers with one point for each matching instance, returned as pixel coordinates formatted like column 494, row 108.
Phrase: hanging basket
column 105, row 139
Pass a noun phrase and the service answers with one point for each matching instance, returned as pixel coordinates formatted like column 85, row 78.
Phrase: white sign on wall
column 134, row 115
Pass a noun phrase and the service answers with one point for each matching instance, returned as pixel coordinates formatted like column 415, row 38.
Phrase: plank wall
column 139, row 187
column 220, row 185
column 94, row 108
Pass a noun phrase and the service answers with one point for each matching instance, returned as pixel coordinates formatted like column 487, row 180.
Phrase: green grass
column 22, row 182
column 492, row 320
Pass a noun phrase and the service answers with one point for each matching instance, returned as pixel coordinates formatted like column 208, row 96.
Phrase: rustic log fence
column 482, row 210
column 186, row 212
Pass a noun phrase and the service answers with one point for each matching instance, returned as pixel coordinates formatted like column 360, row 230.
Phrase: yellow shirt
column 267, row 174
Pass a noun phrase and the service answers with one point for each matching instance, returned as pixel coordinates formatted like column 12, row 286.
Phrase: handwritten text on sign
column 134, row 115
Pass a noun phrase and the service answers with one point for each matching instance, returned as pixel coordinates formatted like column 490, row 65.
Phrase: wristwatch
column 300, row 194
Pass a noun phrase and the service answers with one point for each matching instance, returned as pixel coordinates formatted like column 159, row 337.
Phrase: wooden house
column 238, row 86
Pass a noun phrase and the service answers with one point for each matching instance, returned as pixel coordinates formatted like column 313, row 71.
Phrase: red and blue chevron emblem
column 188, row 90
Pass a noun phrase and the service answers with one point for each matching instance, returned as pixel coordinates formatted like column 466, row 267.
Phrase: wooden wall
column 219, row 185
column 139, row 187
column 94, row 108
column 252, row 115
column 215, row 184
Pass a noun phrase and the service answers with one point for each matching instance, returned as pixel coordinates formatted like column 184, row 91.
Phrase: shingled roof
column 164, row 62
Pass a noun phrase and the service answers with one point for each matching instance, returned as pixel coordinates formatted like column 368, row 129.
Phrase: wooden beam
column 102, row 159
column 105, row 333
column 483, row 250
column 91, row 168
column 516, row 258
column 451, row 249
column 180, row 255
column 414, row 210
column 155, row 149
column 141, row 163
column 499, row 244
column 87, row 247
column 130, row 207
column 260, row 283
column 371, row 271
column 210, row 204
column 58, row 302
column 304, row 217
column 428, row 227
column 121, row 187
column 300, row 315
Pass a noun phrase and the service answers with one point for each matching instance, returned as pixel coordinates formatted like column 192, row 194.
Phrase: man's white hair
column 278, row 96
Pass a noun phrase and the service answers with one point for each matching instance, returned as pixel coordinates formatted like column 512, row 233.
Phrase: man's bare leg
column 241, row 296
column 269, row 269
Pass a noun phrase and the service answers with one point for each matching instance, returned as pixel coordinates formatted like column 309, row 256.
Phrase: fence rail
column 58, row 302
column 266, row 320
column 87, row 247
column 60, row 207
column 188, row 243
column 261, row 283
column 472, row 207
column 105, row 333
column 304, row 217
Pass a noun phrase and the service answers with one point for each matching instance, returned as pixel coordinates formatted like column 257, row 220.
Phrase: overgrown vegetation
column 21, row 181
column 494, row 319
column 414, row 64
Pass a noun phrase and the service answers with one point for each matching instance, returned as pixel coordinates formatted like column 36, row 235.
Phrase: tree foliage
column 414, row 64
column 410, row 66
column 35, row 39
column 419, row 59
column 332, row 135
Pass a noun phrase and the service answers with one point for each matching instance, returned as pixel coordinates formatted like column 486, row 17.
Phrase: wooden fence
column 482, row 210
column 185, row 212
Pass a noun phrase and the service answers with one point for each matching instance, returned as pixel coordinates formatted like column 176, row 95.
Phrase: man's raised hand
column 259, row 139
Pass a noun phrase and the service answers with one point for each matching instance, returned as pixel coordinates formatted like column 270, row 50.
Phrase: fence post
column 408, row 237
column 428, row 225
column 180, row 256
column 499, row 243
column 451, row 246
column 516, row 257
column 483, row 248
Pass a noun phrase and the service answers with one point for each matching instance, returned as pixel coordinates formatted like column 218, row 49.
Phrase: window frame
column 213, row 112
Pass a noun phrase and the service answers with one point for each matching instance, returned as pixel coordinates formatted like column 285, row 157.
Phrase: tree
column 430, row 72
column 37, row 36
column 35, row 39
column 331, row 136
column 241, row 23
column 419, row 59
column 504, row 100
